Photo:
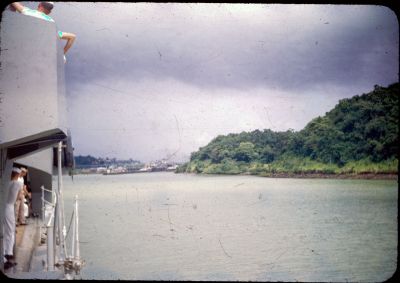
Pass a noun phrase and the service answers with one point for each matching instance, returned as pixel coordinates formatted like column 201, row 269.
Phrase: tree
column 267, row 154
column 245, row 152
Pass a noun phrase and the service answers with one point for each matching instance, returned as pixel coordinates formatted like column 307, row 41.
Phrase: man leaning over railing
column 42, row 12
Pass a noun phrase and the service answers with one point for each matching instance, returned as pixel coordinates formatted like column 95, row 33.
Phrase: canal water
column 166, row 226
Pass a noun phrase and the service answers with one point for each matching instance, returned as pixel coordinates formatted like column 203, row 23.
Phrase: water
column 166, row 226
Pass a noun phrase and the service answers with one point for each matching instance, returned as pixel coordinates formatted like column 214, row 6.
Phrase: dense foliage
column 359, row 135
column 87, row 160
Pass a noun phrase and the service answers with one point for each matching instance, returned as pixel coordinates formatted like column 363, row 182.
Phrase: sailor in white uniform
column 9, row 218
column 19, row 204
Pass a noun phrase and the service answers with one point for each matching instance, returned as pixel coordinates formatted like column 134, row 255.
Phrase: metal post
column 62, row 230
column 73, row 235
column 40, row 227
column 50, row 227
column 56, row 229
column 50, row 248
column 76, row 226
column 42, row 187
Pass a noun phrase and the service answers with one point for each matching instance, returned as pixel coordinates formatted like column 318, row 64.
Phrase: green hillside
column 360, row 135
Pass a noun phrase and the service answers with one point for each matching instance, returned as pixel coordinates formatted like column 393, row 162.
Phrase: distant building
column 101, row 170
column 172, row 167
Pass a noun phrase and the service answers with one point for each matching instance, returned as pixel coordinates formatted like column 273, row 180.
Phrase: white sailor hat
column 23, row 169
column 15, row 169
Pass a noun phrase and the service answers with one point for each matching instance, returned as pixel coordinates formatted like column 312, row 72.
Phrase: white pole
column 40, row 227
column 42, row 187
column 73, row 235
column 62, row 229
column 50, row 246
column 77, row 252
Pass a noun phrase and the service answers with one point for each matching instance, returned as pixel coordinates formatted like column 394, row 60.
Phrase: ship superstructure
column 33, row 125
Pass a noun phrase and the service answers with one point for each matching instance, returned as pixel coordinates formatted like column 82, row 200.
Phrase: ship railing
column 71, row 262
column 53, row 219
column 48, row 215
column 47, row 206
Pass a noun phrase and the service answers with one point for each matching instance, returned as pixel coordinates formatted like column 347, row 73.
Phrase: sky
column 149, row 80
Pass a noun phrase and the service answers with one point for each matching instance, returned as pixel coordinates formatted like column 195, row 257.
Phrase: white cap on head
column 24, row 169
column 15, row 169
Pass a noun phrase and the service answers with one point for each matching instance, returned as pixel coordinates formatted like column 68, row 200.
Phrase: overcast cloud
column 150, row 81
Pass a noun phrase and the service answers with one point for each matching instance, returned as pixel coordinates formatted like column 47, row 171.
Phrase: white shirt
column 35, row 13
column 13, row 189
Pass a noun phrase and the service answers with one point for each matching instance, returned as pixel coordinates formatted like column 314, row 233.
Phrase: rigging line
column 202, row 62
column 179, row 131
column 145, row 98
column 180, row 140
column 173, row 100
column 70, row 222
column 113, row 89
column 266, row 112
column 151, row 129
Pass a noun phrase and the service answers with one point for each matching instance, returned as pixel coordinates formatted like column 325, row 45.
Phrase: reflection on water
column 166, row 226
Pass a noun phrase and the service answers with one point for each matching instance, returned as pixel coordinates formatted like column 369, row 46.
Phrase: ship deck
column 30, row 254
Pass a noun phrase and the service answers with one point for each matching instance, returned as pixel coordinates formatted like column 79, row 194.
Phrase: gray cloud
column 287, row 46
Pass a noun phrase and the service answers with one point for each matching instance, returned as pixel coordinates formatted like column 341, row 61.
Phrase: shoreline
column 359, row 176
column 354, row 176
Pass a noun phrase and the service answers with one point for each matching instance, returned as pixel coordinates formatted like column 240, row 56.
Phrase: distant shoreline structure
column 113, row 166
column 139, row 171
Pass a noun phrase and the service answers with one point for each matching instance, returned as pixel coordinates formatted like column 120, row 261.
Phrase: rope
column 70, row 222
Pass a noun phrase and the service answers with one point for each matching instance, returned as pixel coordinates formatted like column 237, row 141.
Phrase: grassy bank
column 297, row 167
